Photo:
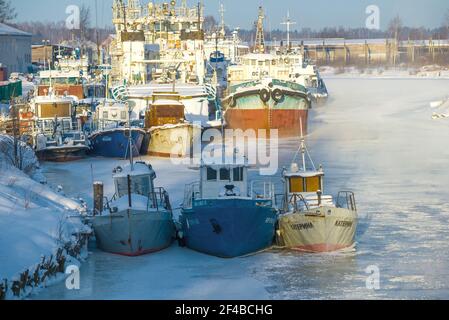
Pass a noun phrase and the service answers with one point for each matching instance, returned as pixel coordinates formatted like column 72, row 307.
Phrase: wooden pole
column 98, row 197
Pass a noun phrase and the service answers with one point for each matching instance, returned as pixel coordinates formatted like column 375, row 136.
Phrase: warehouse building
column 15, row 49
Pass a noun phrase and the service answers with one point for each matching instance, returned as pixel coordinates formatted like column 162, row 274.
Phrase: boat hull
column 171, row 141
column 62, row 154
column 229, row 228
column 325, row 229
column 246, row 111
column 134, row 233
column 113, row 143
column 287, row 122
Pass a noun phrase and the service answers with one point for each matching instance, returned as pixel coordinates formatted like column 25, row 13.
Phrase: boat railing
column 192, row 192
column 262, row 190
column 297, row 202
column 159, row 199
column 346, row 199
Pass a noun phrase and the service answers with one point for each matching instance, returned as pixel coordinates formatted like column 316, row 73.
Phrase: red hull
column 140, row 253
column 287, row 122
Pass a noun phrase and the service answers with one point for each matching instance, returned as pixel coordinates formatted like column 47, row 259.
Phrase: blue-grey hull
column 134, row 233
column 229, row 228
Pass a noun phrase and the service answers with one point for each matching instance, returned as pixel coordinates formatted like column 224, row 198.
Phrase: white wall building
column 15, row 49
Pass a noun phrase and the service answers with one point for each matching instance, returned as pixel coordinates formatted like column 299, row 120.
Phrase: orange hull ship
column 268, row 104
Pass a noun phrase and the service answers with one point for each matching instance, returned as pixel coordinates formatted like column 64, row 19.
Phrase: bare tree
column 85, row 20
column 446, row 23
column 7, row 12
column 395, row 27
column 210, row 23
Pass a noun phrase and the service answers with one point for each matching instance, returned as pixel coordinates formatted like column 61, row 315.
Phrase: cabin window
column 253, row 62
column 261, row 63
column 238, row 174
column 211, row 174
column 105, row 114
column 123, row 115
column 225, row 174
column 310, row 184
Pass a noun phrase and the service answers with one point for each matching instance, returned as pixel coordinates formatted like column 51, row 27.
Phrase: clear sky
column 242, row 13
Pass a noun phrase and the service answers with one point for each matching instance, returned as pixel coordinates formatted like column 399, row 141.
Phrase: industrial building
column 15, row 49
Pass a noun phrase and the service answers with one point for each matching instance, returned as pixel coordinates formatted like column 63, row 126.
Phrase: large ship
column 262, row 93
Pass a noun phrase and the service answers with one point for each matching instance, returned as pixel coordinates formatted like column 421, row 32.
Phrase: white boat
column 59, row 134
column 312, row 221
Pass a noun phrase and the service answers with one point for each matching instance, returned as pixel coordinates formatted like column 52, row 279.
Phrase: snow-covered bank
column 402, row 72
column 34, row 220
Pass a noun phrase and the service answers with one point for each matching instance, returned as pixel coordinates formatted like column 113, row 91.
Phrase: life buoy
column 277, row 95
column 264, row 95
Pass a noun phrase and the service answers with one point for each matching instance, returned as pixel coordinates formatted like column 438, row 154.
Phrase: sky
column 313, row 14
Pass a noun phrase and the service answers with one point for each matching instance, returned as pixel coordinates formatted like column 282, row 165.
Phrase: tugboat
column 59, row 136
column 267, row 104
column 263, row 94
column 225, row 217
column 171, row 134
column 311, row 221
column 138, row 219
column 110, row 138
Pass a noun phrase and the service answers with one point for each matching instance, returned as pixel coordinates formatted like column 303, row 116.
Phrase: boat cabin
column 141, row 179
column 165, row 108
column 111, row 112
column 224, row 181
column 304, row 182
column 304, row 189
column 50, row 107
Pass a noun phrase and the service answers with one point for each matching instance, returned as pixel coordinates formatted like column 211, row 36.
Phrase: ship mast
column 260, row 38
column 288, row 22
column 222, row 12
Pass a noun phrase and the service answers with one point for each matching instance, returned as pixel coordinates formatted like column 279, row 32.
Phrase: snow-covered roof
column 139, row 169
column 302, row 174
column 6, row 30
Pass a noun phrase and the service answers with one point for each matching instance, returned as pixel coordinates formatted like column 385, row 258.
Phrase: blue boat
column 110, row 138
column 221, row 218
column 113, row 143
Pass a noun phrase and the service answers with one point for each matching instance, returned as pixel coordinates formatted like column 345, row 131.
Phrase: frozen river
column 374, row 137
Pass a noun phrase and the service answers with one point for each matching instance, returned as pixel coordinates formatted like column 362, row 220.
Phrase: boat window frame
column 208, row 171
column 228, row 170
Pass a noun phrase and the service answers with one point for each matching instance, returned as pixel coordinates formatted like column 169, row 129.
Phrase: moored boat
column 110, row 137
column 225, row 217
column 267, row 104
column 58, row 135
column 138, row 219
column 311, row 221
column 171, row 134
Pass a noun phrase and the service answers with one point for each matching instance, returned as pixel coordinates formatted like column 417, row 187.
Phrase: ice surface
column 375, row 137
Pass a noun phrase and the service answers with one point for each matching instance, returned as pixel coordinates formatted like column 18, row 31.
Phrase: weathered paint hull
column 332, row 230
column 63, row 154
column 134, row 233
column 287, row 122
column 229, row 228
column 171, row 141
column 114, row 143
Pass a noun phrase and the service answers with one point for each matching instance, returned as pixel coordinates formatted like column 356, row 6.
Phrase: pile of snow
column 26, row 158
column 34, row 220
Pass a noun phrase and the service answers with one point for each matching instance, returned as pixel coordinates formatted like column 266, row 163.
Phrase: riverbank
column 40, row 229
